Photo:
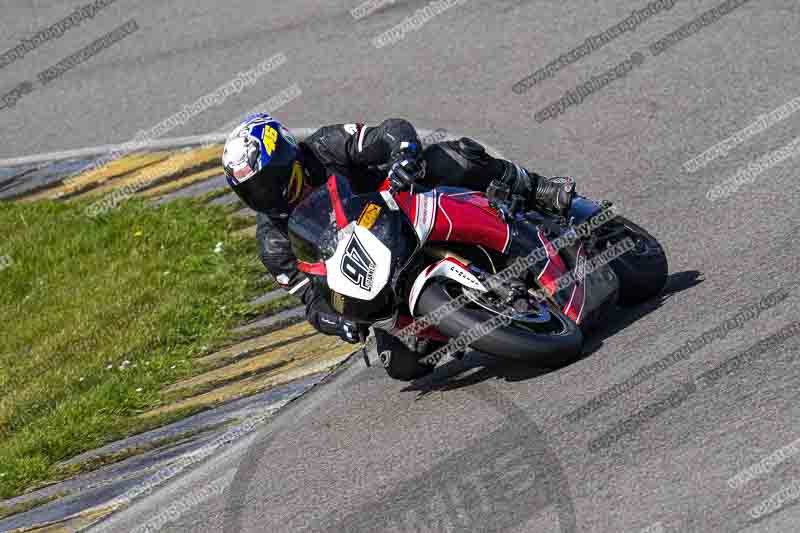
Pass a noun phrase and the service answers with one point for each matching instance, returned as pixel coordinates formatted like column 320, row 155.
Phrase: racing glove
column 353, row 332
column 328, row 322
column 406, row 166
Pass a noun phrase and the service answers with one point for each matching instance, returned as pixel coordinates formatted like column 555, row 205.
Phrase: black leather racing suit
column 362, row 154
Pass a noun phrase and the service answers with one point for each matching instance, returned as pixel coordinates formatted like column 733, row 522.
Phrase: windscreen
column 313, row 229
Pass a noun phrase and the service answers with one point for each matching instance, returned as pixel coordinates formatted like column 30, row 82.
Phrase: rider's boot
column 554, row 195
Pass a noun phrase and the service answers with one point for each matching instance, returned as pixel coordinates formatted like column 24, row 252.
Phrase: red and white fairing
column 466, row 217
column 455, row 217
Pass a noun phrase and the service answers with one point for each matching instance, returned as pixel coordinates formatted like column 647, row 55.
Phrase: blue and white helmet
column 261, row 164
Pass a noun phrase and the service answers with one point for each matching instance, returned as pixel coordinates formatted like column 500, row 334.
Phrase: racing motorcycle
column 388, row 258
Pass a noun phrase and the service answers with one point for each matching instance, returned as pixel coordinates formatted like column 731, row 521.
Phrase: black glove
column 352, row 332
column 334, row 324
column 406, row 167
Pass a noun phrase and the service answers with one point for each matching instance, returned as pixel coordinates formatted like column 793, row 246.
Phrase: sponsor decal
column 425, row 214
column 369, row 216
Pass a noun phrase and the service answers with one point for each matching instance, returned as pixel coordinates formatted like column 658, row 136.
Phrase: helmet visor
column 266, row 191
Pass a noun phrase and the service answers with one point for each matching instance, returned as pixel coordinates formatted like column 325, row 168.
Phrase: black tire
column 399, row 361
column 512, row 341
column 404, row 365
column 642, row 272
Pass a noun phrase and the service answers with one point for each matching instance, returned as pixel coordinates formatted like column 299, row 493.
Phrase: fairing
column 358, row 255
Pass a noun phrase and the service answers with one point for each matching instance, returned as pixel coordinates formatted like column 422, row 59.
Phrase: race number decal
column 357, row 265
column 270, row 138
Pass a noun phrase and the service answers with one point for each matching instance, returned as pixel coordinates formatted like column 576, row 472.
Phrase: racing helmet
column 262, row 166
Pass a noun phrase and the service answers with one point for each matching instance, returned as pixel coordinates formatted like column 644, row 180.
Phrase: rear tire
column 643, row 271
column 513, row 341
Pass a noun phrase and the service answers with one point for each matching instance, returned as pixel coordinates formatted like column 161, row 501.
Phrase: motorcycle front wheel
column 642, row 271
column 544, row 336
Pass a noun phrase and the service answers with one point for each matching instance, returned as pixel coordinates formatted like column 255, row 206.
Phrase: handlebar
column 404, row 175
column 407, row 177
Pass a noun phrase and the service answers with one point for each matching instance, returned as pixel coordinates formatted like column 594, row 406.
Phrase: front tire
column 643, row 271
column 513, row 341
column 403, row 365
column 398, row 360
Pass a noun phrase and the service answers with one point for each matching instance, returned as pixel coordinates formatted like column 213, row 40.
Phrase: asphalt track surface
column 482, row 445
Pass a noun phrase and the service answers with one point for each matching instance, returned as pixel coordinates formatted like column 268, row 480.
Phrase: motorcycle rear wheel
column 551, row 342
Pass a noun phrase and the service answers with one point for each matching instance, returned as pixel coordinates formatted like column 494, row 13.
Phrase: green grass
column 83, row 296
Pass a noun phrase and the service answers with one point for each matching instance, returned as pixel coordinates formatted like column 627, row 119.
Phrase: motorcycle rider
column 271, row 172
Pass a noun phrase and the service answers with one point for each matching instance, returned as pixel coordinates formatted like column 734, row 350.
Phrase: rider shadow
column 476, row 367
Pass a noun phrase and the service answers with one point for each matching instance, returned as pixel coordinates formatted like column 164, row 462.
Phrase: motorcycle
column 390, row 258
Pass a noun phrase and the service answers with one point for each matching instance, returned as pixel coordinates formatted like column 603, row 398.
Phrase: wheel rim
column 540, row 320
